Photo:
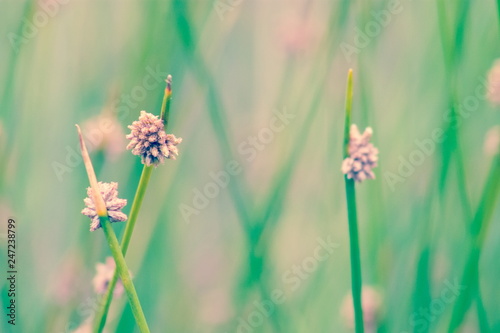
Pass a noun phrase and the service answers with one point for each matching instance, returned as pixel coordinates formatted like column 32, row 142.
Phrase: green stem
column 136, row 206
column 101, row 315
column 479, row 227
column 123, row 271
column 356, row 283
column 165, row 105
column 355, row 255
column 498, row 9
column 348, row 110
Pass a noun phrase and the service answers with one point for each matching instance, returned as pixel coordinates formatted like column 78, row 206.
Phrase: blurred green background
column 235, row 65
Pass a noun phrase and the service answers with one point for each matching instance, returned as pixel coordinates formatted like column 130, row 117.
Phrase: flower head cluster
column 104, row 274
column 363, row 156
column 114, row 205
column 494, row 83
column 149, row 140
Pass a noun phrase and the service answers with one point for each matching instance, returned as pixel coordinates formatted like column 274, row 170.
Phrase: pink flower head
column 149, row 140
column 114, row 205
column 363, row 156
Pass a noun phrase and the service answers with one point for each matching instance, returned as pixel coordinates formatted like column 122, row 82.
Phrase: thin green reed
column 356, row 283
column 123, row 271
column 478, row 229
column 451, row 49
column 272, row 210
column 121, row 266
column 253, row 225
column 217, row 116
column 101, row 315
column 452, row 45
column 498, row 10
column 376, row 227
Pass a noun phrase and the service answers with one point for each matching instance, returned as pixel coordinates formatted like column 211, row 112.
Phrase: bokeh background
column 235, row 66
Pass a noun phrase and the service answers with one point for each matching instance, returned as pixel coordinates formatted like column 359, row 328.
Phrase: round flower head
column 149, row 140
column 363, row 156
column 114, row 205
column 371, row 302
column 494, row 83
column 104, row 274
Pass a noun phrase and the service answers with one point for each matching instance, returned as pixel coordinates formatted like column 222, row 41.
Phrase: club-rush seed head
column 149, row 140
column 494, row 83
column 363, row 156
column 104, row 274
column 113, row 204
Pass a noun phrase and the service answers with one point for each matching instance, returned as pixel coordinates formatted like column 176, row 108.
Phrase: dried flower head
column 104, row 274
column 113, row 204
column 494, row 83
column 492, row 141
column 149, row 140
column 371, row 303
column 363, row 156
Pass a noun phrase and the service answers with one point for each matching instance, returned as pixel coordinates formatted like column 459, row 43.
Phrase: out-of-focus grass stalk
column 253, row 225
column 8, row 94
column 353, row 218
column 498, row 9
column 452, row 46
column 121, row 265
column 101, row 315
column 478, row 229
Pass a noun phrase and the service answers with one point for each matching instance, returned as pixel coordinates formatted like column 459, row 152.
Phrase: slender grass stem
column 348, row 110
column 356, row 282
column 498, row 9
column 123, row 271
column 102, row 313
column 479, row 226
column 355, row 255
